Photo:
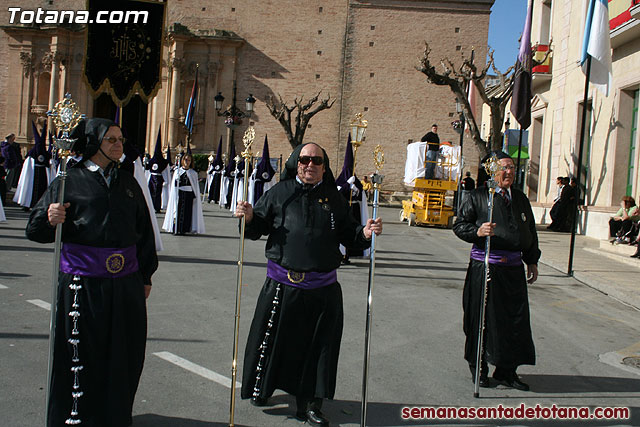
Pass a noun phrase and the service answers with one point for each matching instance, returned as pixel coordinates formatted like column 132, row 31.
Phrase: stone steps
column 620, row 253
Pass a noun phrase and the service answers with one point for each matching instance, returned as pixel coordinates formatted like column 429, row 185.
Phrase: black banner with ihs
column 124, row 56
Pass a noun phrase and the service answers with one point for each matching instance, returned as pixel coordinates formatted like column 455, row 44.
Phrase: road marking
column 196, row 369
column 613, row 358
column 4, row 287
column 632, row 350
column 40, row 303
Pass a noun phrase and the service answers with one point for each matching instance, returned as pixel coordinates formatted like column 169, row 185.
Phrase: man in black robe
column 107, row 260
column 294, row 341
column 215, row 170
column 507, row 341
column 157, row 166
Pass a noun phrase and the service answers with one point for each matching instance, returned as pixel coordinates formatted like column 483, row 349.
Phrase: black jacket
column 305, row 226
column 515, row 225
column 99, row 216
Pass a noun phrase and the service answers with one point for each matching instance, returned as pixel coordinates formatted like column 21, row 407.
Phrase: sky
column 505, row 27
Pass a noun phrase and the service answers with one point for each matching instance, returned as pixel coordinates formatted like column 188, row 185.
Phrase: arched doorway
column 134, row 118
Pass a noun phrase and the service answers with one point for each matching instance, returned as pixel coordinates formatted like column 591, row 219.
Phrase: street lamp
column 233, row 115
column 358, row 127
column 505, row 137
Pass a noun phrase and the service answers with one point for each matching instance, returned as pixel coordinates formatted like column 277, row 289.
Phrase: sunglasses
column 316, row 160
column 113, row 140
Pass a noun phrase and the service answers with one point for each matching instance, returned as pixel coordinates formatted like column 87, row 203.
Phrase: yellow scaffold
column 428, row 202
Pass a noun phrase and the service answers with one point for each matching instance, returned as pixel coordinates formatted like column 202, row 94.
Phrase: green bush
column 200, row 162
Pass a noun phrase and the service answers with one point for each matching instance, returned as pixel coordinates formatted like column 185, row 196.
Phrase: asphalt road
column 416, row 342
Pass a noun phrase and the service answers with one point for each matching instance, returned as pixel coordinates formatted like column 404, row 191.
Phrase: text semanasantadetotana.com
column 521, row 412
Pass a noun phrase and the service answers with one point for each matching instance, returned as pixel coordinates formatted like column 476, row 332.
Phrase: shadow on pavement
column 14, row 275
column 14, row 335
column 580, row 384
column 25, row 249
column 190, row 260
column 153, row 420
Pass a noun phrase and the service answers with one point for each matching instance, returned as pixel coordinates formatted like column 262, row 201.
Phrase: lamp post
column 458, row 193
column 233, row 115
column 357, row 128
column 505, row 138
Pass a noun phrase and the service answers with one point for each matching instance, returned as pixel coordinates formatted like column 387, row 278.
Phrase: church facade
column 360, row 53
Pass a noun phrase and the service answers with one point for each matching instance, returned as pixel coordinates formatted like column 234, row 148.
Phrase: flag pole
column 574, row 219
column 518, row 183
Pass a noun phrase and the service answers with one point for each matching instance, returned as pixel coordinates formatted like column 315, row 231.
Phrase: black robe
column 40, row 182
column 214, row 186
column 562, row 209
column 508, row 340
column 355, row 208
column 156, row 183
column 299, row 340
column 185, row 206
column 113, row 319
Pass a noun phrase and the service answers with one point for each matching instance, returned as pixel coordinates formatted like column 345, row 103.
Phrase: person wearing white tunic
column 36, row 175
column 184, row 210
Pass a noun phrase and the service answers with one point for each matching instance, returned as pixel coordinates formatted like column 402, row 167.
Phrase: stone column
column 22, row 110
column 175, row 64
column 53, row 83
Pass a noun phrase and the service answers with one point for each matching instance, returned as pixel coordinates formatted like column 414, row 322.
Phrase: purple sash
column 89, row 261
column 497, row 256
column 302, row 280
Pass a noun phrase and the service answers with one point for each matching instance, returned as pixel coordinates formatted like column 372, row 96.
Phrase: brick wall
column 295, row 49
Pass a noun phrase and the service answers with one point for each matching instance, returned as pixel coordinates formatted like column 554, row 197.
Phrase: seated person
column 621, row 223
column 561, row 211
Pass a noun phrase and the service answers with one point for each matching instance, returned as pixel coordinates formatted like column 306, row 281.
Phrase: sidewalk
column 597, row 264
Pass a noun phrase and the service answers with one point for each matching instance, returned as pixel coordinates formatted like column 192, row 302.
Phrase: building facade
column 610, row 149
column 362, row 53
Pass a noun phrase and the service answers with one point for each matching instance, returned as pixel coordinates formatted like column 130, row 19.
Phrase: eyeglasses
column 316, row 160
column 113, row 139
column 508, row 168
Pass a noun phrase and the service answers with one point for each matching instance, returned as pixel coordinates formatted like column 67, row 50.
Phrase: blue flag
column 191, row 109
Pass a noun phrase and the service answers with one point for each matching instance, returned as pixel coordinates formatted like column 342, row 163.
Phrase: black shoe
column 519, row 385
column 316, row 417
column 510, row 379
column 636, row 255
column 259, row 401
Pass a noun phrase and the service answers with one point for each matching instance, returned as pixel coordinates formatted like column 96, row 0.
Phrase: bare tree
column 304, row 112
column 458, row 78
column 496, row 97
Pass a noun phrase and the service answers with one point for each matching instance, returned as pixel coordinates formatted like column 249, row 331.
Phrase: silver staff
column 66, row 116
column 491, row 166
column 378, row 159
column 248, row 138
